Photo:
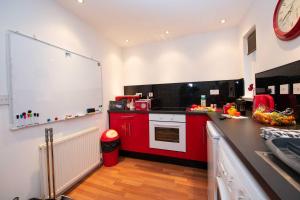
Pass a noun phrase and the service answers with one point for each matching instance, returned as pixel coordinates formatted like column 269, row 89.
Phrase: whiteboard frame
column 9, row 79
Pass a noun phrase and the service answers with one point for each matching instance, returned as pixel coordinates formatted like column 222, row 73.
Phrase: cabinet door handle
column 126, row 117
column 129, row 129
column 125, row 130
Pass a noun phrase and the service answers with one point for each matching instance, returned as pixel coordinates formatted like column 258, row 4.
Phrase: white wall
column 19, row 158
column 271, row 52
column 202, row 57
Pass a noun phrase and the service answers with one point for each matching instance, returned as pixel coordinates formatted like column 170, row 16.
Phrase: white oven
column 167, row 132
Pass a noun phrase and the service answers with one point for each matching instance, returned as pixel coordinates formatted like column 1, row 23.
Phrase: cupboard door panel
column 120, row 124
column 133, row 129
column 196, row 137
column 139, row 131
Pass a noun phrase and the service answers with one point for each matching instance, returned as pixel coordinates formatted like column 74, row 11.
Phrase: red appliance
column 110, row 144
column 227, row 107
column 263, row 100
column 127, row 97
column 143, row 104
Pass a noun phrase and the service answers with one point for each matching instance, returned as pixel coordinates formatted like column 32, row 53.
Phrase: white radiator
column 74, row 157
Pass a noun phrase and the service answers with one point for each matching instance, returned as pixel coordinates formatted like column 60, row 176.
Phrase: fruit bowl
column 198, row 108
column 274, row 118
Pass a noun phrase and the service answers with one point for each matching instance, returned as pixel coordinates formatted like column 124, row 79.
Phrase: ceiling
column 143, row 21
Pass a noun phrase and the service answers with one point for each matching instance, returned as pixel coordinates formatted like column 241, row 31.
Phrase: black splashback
column 287, row 74
column 186, row 94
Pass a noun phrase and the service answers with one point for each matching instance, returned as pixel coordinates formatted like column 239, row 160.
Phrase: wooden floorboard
column 134, row 179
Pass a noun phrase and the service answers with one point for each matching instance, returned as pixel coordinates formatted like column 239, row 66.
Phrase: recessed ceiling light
column 167, row 32
column 223, row 21
column 80, row 1
column 126, row 40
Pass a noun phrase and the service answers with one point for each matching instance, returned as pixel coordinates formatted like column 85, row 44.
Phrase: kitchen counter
column 128, row 111
column 160, row 112
column 243, row 137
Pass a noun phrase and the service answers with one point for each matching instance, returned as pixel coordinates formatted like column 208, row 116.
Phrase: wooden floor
column 136, row 179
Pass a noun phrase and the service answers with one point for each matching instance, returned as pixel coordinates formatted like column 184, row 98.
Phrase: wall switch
column 284, row 89
column 272, row 88
column 214, row 92
column 296, row 88
column 4, row 100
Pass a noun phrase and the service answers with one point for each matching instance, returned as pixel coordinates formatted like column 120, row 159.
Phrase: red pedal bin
column 110, row 143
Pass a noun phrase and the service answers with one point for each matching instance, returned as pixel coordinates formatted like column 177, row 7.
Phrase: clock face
column 288, row 15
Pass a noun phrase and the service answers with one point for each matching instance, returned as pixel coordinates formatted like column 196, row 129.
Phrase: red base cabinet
column 134, row 133
column 133, row 129
column 196, row 137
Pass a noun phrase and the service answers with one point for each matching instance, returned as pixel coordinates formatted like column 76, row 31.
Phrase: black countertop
column 243, row 137
column 159, row 112
column 128, row 111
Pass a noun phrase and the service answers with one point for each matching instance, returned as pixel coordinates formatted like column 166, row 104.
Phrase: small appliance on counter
column 265, row 100
column 143, row 104
column 127, row 97
column 117, row 105
column 241, row 105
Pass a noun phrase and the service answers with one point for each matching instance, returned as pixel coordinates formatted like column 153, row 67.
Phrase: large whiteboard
column 51, row 81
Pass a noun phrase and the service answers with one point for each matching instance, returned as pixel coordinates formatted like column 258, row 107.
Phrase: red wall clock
column 286, row 20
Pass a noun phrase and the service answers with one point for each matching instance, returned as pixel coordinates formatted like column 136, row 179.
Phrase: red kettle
column 263, row 100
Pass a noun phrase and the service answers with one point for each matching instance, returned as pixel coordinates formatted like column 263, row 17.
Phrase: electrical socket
column 272, row 88
column 214, row 92
column 139, row 94
column 296, row 88
column 284, row 89
column 4, row 100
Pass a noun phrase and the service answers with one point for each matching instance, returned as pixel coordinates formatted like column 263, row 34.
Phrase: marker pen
column 17, row 122
column 24, row 123
column 37, row 118
column 29, row 116
column 34, row 118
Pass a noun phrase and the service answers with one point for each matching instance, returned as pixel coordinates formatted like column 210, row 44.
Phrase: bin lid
column 109, row 135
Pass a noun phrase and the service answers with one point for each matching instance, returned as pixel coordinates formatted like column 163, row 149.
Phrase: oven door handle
column 222, row 190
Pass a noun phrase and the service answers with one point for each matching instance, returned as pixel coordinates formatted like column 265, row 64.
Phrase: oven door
column 167, row 135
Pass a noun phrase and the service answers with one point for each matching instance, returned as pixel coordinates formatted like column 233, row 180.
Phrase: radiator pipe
column 48, row 161
column 52, row 159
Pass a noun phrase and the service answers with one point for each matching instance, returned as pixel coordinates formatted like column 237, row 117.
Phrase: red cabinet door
column 133, row 129
column 196, row 137
column 119, row 122
column 139, row 133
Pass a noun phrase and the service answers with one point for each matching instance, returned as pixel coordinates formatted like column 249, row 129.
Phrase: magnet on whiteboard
column 68, row 54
